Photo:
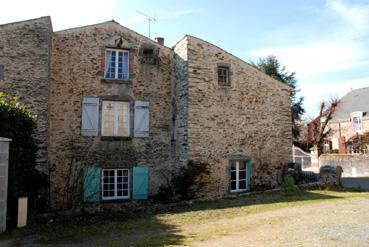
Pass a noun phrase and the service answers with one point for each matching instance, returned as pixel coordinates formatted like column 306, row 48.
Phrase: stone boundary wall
column 352, row 165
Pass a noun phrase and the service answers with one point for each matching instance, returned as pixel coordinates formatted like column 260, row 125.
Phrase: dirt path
column 335, row 223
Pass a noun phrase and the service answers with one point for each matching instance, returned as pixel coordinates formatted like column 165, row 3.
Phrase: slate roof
column 355, row 100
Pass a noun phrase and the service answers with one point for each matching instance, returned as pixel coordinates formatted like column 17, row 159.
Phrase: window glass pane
column 241, row 174
column 108, row 118
column 233, row 175
column 242, row 165
column 233, row 165
column 233, row 185
column 123, row 117
column 242, row 184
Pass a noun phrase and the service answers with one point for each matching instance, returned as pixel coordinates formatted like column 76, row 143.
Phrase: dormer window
column 116, row 64
column 356, row 118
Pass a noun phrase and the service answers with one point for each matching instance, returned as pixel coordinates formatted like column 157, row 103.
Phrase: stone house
column 119, row 112
column 350, row 124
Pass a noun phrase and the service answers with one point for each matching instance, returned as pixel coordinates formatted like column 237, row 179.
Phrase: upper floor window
column 357, row 123
column 115, row 118
column 116, row 64
column 356, row 118
column 223, row 76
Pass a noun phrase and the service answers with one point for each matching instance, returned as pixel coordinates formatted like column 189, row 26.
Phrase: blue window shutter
column 142, row 118
column 248, row 175
column 140, row 183
column 229, row 175
column 90, row 117
column 91, row 184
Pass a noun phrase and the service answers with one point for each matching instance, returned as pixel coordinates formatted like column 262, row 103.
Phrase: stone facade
column 76, row 73
column 251, row 117
column 25, row 58
column 192, row 116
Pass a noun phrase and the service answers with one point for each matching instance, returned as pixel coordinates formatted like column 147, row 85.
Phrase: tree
column 272, row 67
column 17, row 123
column 318, row 129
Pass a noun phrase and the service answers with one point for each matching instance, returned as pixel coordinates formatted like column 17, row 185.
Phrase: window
column 115, row 118
column 116, row 64
column 115, row 184
column 223, row 76
column 238, row 176
column 325, row 146
column 357, row 123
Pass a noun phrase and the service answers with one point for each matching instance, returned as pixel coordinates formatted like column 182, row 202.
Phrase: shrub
column 185, row 184
column 288, row 186
column 17, row 123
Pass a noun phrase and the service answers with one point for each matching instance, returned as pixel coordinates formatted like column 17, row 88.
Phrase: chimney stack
column 160, row 40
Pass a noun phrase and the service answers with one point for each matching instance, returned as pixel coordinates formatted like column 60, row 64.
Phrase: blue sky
column 324, row 41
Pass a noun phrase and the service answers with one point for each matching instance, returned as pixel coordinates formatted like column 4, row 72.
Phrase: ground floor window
column 238, row 175
column 115, row 184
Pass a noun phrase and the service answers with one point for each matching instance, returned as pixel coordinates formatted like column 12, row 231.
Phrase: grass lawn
column 180, row 225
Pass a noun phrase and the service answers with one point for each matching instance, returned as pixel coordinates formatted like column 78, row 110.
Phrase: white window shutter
column 141, row 119
column 90, row 117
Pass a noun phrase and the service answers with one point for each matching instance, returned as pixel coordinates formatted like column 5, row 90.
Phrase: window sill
column 115, row 138
column 108, row 201
column 224, row 85
column 118, row 81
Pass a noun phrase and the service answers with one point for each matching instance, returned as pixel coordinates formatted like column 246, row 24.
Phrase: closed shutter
column 248, row 175
column 91, row 184
column 90, row 117
column 140, row 183
column 141, row 119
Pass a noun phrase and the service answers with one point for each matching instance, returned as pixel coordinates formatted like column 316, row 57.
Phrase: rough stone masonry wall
column 76, row 73
column 25, row 56
column 181, row 100
column 352, row 165
column 251, row 117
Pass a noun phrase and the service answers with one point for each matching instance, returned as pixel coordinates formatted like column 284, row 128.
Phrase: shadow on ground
column 153, row 227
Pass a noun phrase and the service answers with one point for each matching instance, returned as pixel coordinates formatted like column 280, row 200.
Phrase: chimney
column 160, row 40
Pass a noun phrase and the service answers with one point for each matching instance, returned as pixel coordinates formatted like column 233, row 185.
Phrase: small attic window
column 149, row 55
column 148, row 52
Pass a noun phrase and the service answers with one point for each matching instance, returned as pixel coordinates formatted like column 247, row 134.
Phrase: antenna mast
column 149, row 18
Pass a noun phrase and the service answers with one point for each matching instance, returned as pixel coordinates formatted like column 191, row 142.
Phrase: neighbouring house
column 350, row 124
column 118, row 112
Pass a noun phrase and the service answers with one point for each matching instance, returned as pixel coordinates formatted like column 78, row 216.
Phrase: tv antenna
column 149, row 18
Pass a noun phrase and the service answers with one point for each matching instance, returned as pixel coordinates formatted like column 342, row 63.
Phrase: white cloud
column 64, row 14
column 355, row 16
column 311, row 59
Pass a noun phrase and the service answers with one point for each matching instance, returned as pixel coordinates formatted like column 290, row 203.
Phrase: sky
column 324, row 41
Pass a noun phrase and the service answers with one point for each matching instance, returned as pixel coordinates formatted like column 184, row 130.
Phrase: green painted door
column 140, row 183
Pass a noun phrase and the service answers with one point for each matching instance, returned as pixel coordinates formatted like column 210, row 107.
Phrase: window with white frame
column 357, row 123
column 115, row 118
column 238, row 175
column 116, row 64
column 115, row 184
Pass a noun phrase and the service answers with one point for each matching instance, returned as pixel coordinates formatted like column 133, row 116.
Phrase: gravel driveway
column 335, row 223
